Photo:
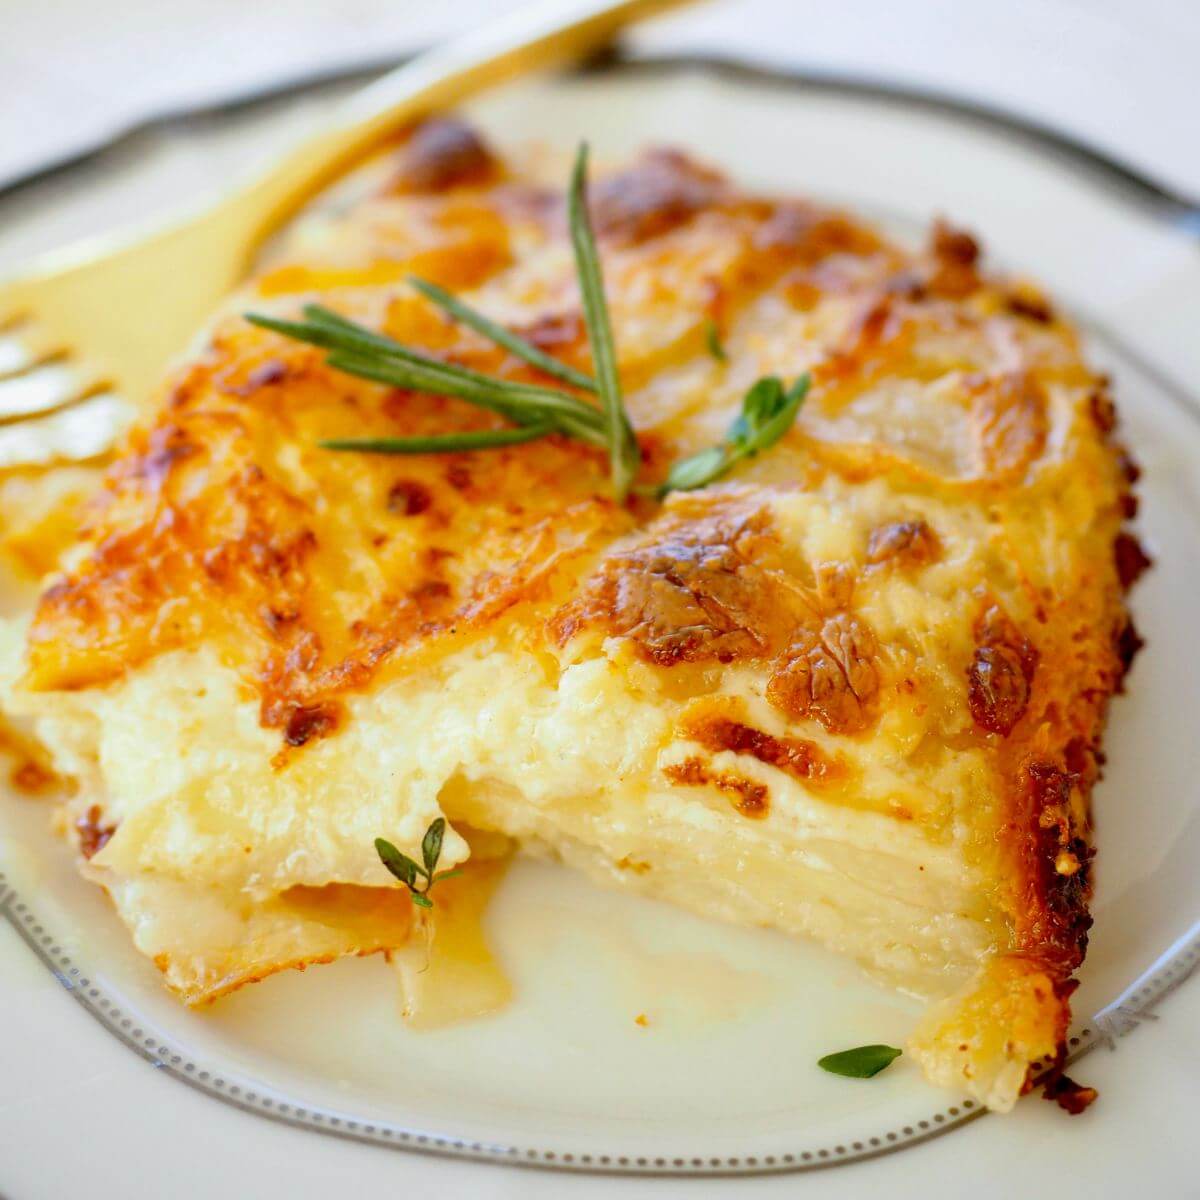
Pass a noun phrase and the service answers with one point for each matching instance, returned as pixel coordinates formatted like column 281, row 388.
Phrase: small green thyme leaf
column 699, row 469
column 860, row 1063
column 431, row 845
column 409, row 872
column 399, row 864
column 712, row 339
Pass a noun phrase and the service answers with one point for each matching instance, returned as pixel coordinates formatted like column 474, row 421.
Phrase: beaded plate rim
column 163, row 1053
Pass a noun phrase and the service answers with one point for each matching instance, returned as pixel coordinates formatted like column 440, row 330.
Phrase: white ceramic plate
column 723, row 1078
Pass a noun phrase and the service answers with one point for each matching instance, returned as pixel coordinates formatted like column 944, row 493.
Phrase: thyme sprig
column 768, row 410
column 411, row 873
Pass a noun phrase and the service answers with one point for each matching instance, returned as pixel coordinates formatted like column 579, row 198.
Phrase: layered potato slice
column 855, row 691
column 210, row 941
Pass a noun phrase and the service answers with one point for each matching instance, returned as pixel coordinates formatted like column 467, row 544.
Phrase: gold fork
column 87, row 332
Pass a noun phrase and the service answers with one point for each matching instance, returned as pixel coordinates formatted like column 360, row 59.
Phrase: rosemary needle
column 474, row 319
column 440, row 443
column 622, row 445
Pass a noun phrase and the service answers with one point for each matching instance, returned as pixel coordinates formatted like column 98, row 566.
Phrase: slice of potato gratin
column 853, row 691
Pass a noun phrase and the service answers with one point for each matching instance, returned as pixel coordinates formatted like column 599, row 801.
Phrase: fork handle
column 537, row 35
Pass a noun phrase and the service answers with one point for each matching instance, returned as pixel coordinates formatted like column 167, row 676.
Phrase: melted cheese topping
column 854, row 692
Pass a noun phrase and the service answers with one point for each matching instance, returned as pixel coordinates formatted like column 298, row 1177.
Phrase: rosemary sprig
column 370, row 355
column 409, row 872
column 359, row 351
column 768, row 410
column 622, row 445
column 535, row 411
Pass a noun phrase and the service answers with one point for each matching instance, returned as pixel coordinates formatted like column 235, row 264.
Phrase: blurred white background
column 1119, row 73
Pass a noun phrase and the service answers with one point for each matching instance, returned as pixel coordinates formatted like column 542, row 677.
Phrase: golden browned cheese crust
column 953, row 437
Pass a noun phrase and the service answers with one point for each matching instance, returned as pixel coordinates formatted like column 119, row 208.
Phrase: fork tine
column 42, row 389
column 15, row 355
column 21, row 352
column 84, row 431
